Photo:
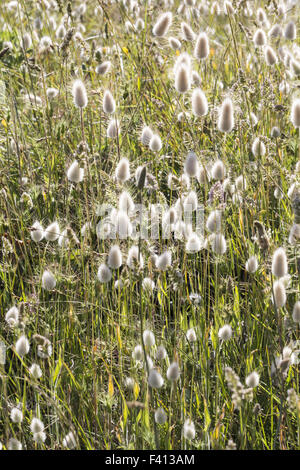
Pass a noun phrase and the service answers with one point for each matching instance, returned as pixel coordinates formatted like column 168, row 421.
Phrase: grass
column 93, row 327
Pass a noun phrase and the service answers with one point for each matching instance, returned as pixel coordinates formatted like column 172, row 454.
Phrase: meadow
column 149, row 224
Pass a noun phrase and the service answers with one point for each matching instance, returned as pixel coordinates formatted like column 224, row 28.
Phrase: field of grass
column 186, row 341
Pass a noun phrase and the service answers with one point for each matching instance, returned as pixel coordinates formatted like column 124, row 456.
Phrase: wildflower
column 79, row 94
column 48, row 280
column 22, row 346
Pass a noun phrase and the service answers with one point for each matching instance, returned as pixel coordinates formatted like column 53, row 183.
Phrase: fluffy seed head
column 279, row 263
column 114, row 257
column 219, row 245
column 164, row 261
column 52, row 232
column 182, row 79
column 161, row 353
column 270, row 56
column 12, row 316
column 258, row 147
column 126, row 203
column 296, row 312
column 155, row 380
column 69, row 441
column 36, row 371
column 290, row 31
column 199, row 103
column 103, row 68
column 75, row 174
column 109, row 105
column 37, row 232
column 113, row 128
column 79, row 94
column 26, row 41
column 133, row 259
column 187, row 32
column 14, row 444
column 104, row 273
column 173, row 372
column 22, row 346
column 149, row 338
column 191, row 335
column 155, row 143
column 123, row 170
column 218, row 170
column 189, row 431
column 225, row 333
column 260, row 38
column 252, row 264
column 226, row 118
column 252, row 380
column 36, row 425
column 162, row 25
column 138, row 353
column 213, row 223
column 279, row 294
column 191, row 166
column 201, row 50
column 16, row 415
column 160, row 416
column 146, row 135
column 295, row 113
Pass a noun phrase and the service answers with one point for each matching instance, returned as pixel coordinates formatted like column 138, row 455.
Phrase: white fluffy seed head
column 201, row 50
column 109, row 105
column 138, row 353
column 182, row 79
column 218, row 171
column 279, row 294
column 51, row 93
column 123, row 225
column 26, row 41
column 279, row 263
column 161, row 353
column 260, row 38
column 104, row 273
column 191, row 335
column 175, row 43
column 189, row 431
column 164, row 261
column 37, row 232
column 113, row 128
column 173, row 372
column 162, row 25
column 123, row 170
column 295, row 113
column 252, row 380
column 194, row 243
column 148, row 284
column 79, row 94
column 48, row 280
column 252, row 264
column 214, row 221
column 190, row 202
column 36, row 425
column 155, row 379
column 16, row 415
column 225, row 333
column 52, row 232
column 296, row 312
column 155, row 143
column 75, row 174
column 258, row 147
column 290, row 31
column 126, row 203
column 133, row 258
column 103, row 68
column 270, row 56
column 12, row 316
column 219, row 245
column 199, row 103
column 22, row 346
column 149, row 338
column 69, row 441
column 39, row 437
column 187, row 32
column 114, row 257
column 146, row 135
column 14, row 444
column 160, row 416
column 226, row 116
column 36, row 371
column 191, row 166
